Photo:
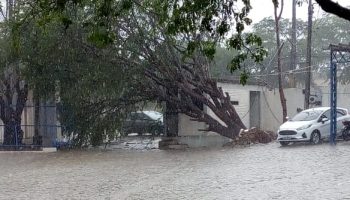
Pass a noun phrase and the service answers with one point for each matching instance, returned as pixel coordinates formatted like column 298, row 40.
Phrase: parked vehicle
column 346, row 130
column 312, row 125
column 142, row 122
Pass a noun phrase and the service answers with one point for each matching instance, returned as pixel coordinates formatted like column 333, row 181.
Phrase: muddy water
column 257, row 172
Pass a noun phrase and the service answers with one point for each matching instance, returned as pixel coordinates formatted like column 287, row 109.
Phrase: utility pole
column 308, row 56
column 293, row 53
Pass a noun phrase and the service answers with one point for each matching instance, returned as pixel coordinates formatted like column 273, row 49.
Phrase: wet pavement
column 255, row 172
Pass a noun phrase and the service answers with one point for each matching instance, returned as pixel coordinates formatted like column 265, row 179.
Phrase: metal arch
column 339, row 54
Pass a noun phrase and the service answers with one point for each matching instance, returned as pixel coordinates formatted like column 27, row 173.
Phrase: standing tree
column 308, row 56
column 13, row 88
column 293, row 51
column 279, row 49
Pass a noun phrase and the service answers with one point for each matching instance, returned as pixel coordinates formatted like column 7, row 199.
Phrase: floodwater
column 255, row 172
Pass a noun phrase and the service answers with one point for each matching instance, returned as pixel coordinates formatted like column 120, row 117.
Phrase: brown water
column 256, row 172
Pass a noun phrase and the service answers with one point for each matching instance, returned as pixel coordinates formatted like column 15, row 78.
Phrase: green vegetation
column 101, row 59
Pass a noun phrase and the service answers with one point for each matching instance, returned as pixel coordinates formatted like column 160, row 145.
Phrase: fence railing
column 49, row 135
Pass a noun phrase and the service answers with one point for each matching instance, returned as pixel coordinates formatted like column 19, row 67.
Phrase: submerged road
column 256, row 172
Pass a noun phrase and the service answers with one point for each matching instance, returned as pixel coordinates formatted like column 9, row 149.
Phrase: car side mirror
column 323, row 120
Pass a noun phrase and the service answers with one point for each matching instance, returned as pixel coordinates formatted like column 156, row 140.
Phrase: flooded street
column 256, row 172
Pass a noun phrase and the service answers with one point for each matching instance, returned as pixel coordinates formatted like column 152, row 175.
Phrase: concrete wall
column 270, row 115
column 271, row 107
column 188, row 127
column 241, row 94
column 188, row 130
column 237, row 93
column 343, row 96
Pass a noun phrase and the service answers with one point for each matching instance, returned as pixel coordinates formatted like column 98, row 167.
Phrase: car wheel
column 315, row 137
column 283, row 144
column 155, row 132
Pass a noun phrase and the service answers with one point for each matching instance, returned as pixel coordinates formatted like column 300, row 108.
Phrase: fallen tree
column 164, row 48
column 184, row 80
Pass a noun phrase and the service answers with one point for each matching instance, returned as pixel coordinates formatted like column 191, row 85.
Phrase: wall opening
column 255, row 109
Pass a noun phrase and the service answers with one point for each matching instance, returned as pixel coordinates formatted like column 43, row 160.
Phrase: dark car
column 142, row 122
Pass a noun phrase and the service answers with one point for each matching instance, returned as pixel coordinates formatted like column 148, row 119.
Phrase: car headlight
column 304, row 127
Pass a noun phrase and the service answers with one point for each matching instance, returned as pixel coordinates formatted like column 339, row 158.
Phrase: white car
column 310, row 125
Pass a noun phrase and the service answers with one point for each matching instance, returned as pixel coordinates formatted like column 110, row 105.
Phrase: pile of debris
column 255, row 135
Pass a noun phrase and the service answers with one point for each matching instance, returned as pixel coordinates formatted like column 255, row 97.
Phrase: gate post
column 333, row 93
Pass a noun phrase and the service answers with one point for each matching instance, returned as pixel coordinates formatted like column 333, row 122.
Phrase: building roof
column 235, row 80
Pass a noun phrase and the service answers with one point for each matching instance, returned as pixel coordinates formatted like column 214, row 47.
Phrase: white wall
column 188, row 127
column 241, row 94
column 237, row 93
column 271, row 115
column 343, row 96
column 270, row 105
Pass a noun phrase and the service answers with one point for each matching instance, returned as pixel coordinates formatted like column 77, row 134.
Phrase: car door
column 145, row 123
column 140, row 123
column 130, row 123
column 324, row 127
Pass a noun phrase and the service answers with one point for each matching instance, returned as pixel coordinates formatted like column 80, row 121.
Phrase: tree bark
column 185, row 83
column 308, row 56
column 15, row 93
column 171, row 120
column 334, row 8
column 293, row 52
column 11, row 113
column 189, row 97
column 279, row 67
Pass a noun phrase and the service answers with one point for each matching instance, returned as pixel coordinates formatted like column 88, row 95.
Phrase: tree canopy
column 100, row 59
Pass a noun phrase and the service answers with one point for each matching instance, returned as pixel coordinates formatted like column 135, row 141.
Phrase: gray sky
column 264, row 8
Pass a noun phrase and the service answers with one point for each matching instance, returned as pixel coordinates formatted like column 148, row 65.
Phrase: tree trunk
column 186, row 85
column 13, row 133
column 279, row 67
column 308, row 57
column 171, row 120
column 14, row 92
column 293, row 53
column 192, row 96
column 12, row 104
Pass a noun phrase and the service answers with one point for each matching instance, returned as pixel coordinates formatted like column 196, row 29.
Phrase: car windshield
column 154, row 115
column 307, row 115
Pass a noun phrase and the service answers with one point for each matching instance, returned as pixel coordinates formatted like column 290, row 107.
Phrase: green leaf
column 100, row 37
column 244, row 77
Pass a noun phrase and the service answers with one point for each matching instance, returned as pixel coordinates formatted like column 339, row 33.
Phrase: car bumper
column 300, row 136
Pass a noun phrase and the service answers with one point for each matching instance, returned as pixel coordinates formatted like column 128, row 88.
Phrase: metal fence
column 49, row 127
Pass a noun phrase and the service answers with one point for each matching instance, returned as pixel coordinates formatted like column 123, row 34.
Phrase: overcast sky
column 264, row 8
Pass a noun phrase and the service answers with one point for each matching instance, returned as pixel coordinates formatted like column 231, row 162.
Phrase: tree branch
column 334, row 8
